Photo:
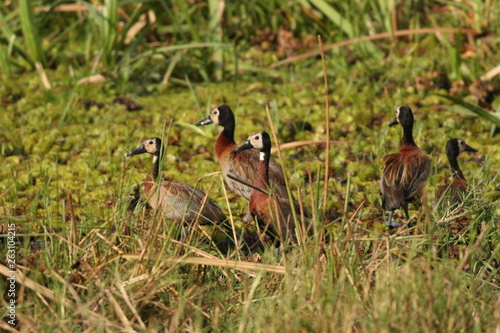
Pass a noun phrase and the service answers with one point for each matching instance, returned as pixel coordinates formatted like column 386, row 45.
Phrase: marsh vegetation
column 84, row 83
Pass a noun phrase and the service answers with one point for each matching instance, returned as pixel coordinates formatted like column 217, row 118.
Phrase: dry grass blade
column 47, row 293
column 119, row 312
column 491, row 73
column 231, row 219
column 98, row 78
column 62, row 8
column 43, row 76
column 132, row 308
column 327, row 126
column 7, row 327
column 244, row 182
column 303, row 143
column 375, row 37
column 4, row 193
column 241, row 265
column 282, row 162
column 473, row 248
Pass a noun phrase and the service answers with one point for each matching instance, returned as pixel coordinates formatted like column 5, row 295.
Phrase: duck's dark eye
column 216, row 111
column 257, row 137
column 151, row 142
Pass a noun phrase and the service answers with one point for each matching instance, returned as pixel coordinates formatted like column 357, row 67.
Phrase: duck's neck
column 408, row 136
column 455, row 168
column 225, row 139
column 152, row 176
column 262, row 179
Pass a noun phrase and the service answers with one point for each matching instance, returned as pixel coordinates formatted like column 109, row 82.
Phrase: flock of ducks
column 251, row 172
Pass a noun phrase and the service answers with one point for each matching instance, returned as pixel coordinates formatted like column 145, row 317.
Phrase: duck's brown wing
column 404, row 177
column 182, row 202
column 211, row 213
column 245, row 166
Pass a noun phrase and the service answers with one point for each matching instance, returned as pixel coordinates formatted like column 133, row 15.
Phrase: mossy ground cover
column 92, row 260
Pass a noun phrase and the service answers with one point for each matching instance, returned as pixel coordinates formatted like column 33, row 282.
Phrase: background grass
column 92, row 264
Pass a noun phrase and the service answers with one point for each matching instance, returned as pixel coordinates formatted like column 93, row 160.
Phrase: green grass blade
column 214, row 26
column 4, row 62
column 473, row 108
column 341, row 22
column 30, row 32
column 163, row 49
column 109, row 31
column 334, row 17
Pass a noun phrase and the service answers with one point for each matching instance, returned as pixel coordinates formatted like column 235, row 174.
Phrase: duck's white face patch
column 155, row 158
column 261, row 156
column 397, row 113
column 461, row 146
column 256, row 140
column 215, row 116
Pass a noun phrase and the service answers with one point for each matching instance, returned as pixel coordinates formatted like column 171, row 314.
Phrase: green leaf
column 473, row 108
column 30, row 32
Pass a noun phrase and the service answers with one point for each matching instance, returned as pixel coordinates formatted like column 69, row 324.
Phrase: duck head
column 404, row 116
column 151, row 146
column 259, row 140
column 456, row 146
column 221, row 115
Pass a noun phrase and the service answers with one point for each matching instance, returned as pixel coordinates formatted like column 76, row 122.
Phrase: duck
column 459, row 185
column 405, row 173
column 271, row 210
column 243, row 165
column 177, row 201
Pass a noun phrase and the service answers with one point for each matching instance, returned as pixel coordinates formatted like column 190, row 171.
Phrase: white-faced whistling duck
column 272, row 212
column 243, row 165
column 405, row 173
column 177, row 201
column 458, row 186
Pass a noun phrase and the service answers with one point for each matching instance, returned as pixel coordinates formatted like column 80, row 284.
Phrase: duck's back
column 404, row 176
column 244, row 165
column 182, row 202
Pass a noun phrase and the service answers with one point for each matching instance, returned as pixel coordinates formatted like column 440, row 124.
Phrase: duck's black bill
column 140, row 150
column 245, row 146
column 469, row 148
column 394, row 122
column 205, row 121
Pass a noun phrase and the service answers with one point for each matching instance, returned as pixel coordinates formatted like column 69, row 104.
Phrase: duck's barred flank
column 179, row 202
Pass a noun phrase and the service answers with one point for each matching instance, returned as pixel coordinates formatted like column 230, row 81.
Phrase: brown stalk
column 198, row 215
column 374, row 37
column 73, row 241
column 244, row 182
column 119, row 311
column 240, row 265
column 296, row 144
column 282, row 162
column 43, row 76
column 231, row 219
column 327, row 127
column 4, row 193
column 113, row 246
column 132, row 308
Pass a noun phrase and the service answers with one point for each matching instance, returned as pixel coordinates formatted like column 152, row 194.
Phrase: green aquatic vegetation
column 65, row 177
